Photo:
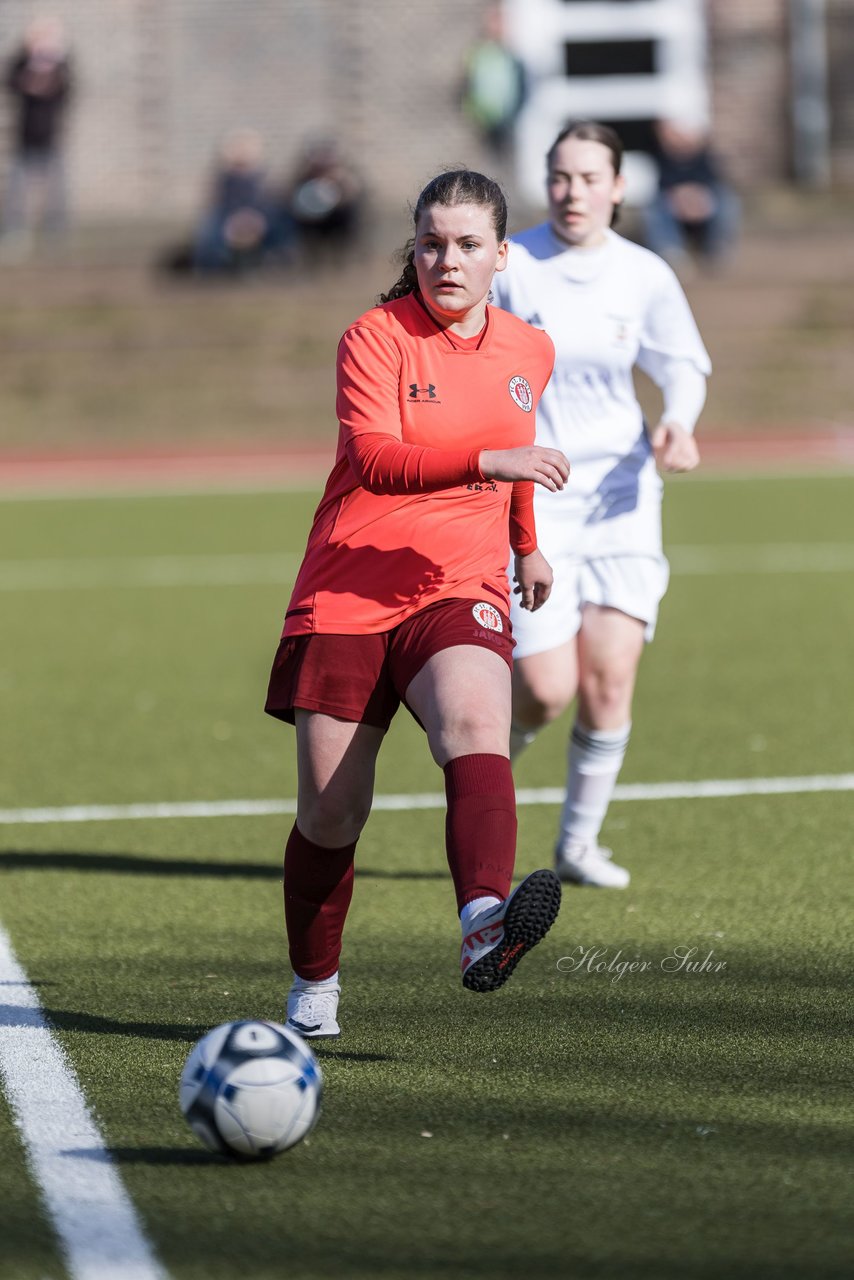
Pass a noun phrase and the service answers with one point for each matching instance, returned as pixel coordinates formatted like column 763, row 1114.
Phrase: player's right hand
column 534, row 580
column 547, row 467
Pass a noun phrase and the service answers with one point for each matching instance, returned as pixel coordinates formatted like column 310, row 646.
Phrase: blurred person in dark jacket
column 241, row 226
column 695, row 209
column 38, row 78
column 324, row 198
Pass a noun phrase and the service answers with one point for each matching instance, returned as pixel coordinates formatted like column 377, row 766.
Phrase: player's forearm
column 523, row 532
column 382, row 464
column 684, row 394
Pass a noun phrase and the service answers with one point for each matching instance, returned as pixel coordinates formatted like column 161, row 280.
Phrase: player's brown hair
column 592, row 131
column 456, row 186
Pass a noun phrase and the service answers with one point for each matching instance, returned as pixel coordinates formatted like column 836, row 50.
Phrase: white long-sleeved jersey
column 606, row 310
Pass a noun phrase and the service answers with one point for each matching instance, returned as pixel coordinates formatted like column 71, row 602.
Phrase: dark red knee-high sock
column 480, row 829
column 318, row 889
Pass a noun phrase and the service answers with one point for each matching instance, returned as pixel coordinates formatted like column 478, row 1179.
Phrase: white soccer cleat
column 585, row 862
column 500, row 936
column 313, row 1010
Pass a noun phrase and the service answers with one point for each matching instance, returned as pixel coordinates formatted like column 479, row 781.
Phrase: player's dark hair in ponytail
column 457, row 186
column 591, row 131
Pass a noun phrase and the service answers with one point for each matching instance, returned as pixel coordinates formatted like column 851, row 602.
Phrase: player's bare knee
column 332, row 825
column 537, row 706
column 474, row 732
column 608, row 692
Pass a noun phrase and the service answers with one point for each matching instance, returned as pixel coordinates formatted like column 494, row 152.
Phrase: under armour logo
column 415, row 391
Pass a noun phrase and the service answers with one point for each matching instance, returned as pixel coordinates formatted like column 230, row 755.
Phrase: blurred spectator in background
column 241, row 227
column 39, row 81
column 324, row 200
column 695, row 209
column 495, row 84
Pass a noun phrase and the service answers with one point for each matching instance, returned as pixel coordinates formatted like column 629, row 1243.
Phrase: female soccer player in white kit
column 607, row 305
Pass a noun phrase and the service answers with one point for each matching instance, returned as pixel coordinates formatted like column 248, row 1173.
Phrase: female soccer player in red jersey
column 403, row 593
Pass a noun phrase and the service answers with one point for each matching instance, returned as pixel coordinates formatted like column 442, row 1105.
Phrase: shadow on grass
column 135, row 865
column 31, row 982
column 139, row 865
column 69, row 1020
column 332, row 1054
column 150, row 1156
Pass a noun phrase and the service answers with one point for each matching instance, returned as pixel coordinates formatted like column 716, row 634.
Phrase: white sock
column 520, row 739
column 595, row 759
column 311, row 984
column 474, row 908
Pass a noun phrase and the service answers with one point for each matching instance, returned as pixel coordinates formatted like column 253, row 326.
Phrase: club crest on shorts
column 487, row 616
column 520, row 390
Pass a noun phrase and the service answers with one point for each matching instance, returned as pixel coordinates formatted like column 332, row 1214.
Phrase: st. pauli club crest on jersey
column 520, row 390
column 487, row 616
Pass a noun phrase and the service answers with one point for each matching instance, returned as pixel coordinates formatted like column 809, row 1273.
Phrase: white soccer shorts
column 634, row 584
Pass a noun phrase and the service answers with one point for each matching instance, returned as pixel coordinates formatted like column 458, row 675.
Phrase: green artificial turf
column 649, row 1125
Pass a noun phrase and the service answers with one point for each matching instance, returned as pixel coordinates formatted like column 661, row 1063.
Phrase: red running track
column 214, row 467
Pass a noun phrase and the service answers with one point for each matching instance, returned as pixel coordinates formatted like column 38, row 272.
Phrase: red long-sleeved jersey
column 406, row 517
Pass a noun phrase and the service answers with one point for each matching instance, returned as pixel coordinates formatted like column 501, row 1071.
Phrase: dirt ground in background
column 105, row 359
column 779, row 326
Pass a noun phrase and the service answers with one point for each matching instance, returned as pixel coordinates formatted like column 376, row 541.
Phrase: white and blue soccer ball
column 251, row 1089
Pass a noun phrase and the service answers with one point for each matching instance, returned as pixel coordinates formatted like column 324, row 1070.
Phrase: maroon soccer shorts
column 364, row 678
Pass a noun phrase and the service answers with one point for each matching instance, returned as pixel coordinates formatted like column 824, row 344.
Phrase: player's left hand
column 675, row 448
column 533, row 578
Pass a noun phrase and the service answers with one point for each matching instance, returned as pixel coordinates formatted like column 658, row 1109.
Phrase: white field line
column 772, row 557
column 278, row 568
column 96, row 573
column 95, row 1221
column 131, row 488
column 707, row 789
